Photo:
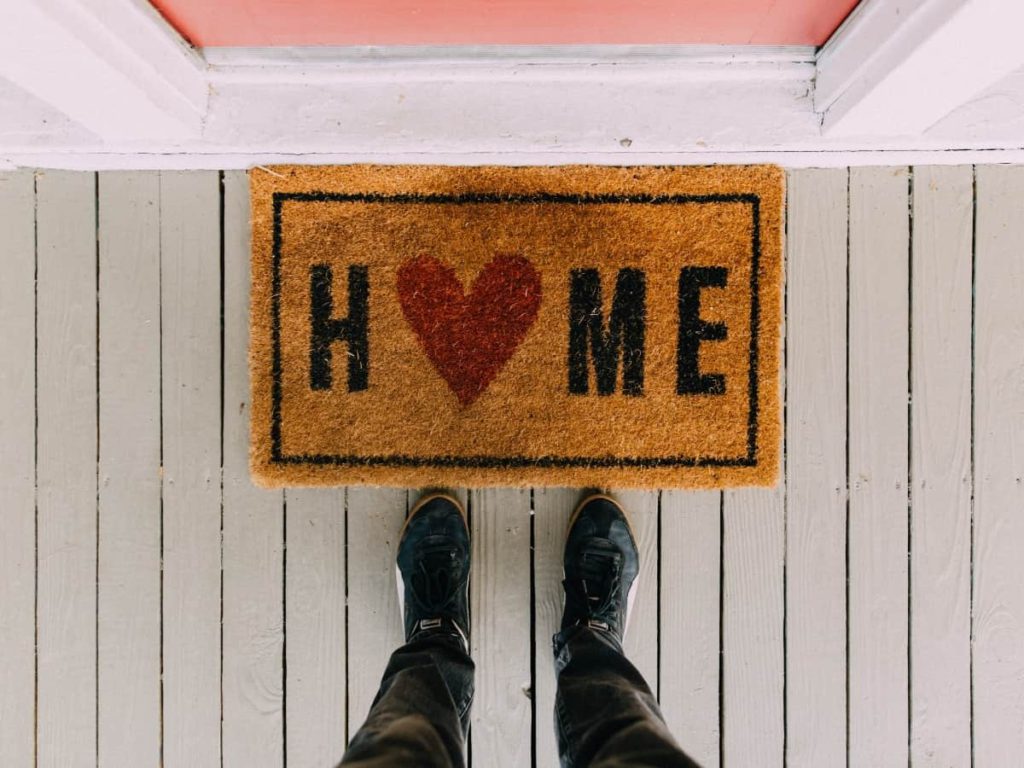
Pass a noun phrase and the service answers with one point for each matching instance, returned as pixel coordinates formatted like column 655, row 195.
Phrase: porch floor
column 156, row 608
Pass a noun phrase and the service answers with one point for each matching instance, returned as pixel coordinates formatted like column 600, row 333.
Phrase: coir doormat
column 569, row 326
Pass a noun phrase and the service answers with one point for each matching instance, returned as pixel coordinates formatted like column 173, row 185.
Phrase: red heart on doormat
column 469, row 338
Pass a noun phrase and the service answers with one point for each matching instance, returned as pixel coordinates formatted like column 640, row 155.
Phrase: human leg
column 420, row 715
column 605, row 713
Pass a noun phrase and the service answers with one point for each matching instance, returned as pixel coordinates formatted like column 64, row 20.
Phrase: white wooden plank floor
column 157, row 609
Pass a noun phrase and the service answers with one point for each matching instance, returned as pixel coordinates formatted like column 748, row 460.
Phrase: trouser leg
column 605, row 714
column 421, row 713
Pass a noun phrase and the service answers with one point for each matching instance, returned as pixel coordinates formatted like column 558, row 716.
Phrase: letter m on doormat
column 579, row 326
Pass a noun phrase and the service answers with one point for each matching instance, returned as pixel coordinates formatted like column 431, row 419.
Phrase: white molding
column 812, row 158
column 228, row 58
column 514, row 105
column 897, row 67
column 114, row 66
column 621, row 105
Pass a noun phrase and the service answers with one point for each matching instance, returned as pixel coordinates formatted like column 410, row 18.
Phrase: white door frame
column 108, row 83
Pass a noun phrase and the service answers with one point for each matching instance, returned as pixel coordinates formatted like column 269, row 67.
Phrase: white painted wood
column 67, row 432
column 500, row 641
column 632, row 105
column 253, row 537
column 641, row 641
column 690, row 620
column 898, row 66
column 115, row 66
column 191, row 387
column 940, row 452
column 28, row 120
column 552, row 508
column 998, row 607
column 247, row 62
column 17, row 457
column 753, row 614
column 315, row 688
column 996, row 111
column 878, row 348
column 375, row 517
column 129, row 578
column 257, row 589
column 506, row 109
column 816, row 469
column 938, row 149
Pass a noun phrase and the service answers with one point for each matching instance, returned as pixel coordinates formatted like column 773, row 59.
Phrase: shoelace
column 596, row 588
column 435, row 585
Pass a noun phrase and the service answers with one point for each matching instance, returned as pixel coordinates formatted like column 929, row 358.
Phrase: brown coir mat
column 576, row 326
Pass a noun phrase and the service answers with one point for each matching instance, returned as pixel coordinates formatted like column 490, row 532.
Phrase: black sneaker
column 433, row 569
column 601, row 565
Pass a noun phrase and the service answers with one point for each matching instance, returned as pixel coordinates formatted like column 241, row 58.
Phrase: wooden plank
column 191, row 386
column 940, row 580
column 315, row 687
column 816, row 469
column 641, row 642
column 375, row 517
column 128, row 586
column 753, row 613
column 998, row 616
column 17, row 457
column 691, row 526
column 878, row 608
column 500, row 609
column 552, row 508
column 67, row 434
column 253, row 532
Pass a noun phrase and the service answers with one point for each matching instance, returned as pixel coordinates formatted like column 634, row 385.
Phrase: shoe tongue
column 436, row 579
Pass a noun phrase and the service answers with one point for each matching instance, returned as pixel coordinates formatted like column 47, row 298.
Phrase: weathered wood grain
column 191, row 387
column 315, row 609
column 940, row 452
column 753, row 613
column 690, row 620
column 129, row 580
column 67, row 443
column 878, row 466
column 816, row 469
column 17, row 457
column 998, row 615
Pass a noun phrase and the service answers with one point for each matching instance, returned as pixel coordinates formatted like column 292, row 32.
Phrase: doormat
column 573, row 326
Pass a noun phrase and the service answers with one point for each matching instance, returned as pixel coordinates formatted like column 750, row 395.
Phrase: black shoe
column 601, row 565
column 433, row 569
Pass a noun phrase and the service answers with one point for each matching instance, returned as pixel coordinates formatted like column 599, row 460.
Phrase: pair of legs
column 605, row 713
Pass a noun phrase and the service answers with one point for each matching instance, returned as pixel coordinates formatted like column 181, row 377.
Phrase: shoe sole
column 631, row 596
column 399, row 582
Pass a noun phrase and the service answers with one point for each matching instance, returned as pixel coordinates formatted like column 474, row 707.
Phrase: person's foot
column 601, row 565
column 433, row 569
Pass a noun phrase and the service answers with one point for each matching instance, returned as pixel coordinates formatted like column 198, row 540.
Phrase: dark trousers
column 605, row 714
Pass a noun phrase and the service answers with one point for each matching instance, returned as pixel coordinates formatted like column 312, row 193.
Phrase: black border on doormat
column 488, row 462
